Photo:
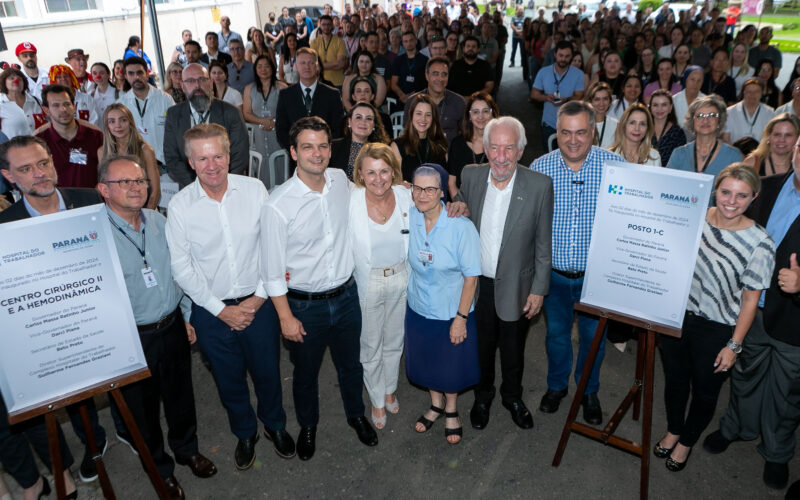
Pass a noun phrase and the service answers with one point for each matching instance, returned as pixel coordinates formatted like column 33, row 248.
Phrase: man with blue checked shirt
column 556, row 85
column 576, row 168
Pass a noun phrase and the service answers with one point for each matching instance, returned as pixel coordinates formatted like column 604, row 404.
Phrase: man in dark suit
column 512, row 208
column 201, row 107
column 26, row 162
column 309, row 97
column 765, row 387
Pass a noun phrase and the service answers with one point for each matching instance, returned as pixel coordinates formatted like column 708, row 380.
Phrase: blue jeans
column 233, row 354
column 334, row 323
column 560, row 312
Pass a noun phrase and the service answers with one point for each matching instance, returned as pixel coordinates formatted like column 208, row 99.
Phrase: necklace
column 384, row 218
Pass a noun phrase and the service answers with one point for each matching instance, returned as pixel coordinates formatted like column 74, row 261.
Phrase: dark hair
column 134, row 60
column 12, row 71
column 469, row 38
column 371, row 34
column 285, row 47
column 273, row 81
column 467, row 129
column 313, row 123
column 104, row 66
column 134, row 40
column 217, row 64
column 360, row 79
column 436, row 138
column 720, row 49
column 672, row 117
column 20, row 141
column 672, row 78
column 324, row 17
column 57, row 89
column 194, row 43
column 437, row 60
column 378, row 133
column 563, row 44
column 211, row 33
column 356, row 56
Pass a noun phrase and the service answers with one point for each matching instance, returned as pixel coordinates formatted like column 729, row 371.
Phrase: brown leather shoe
column 200, row 465
column 174, row 488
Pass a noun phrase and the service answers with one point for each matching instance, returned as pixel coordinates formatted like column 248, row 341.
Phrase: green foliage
column 644, row 4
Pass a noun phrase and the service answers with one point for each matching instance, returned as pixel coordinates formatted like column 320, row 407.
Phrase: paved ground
column 501, row 461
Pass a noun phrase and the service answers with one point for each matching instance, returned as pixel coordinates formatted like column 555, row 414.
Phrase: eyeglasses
column 484, row 111
column 235, row 49
column 175, row 72
column 701, row 116
column 430, row 190
column 127, row 183
column 195, row 81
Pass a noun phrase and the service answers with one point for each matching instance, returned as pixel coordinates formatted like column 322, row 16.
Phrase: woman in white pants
column 379, row 208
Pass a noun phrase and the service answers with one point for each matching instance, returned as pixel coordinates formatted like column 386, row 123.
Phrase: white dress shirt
column 150, row 120
column 680, row 106
column 493, row 222
column 35, row 86
column 19, row 121
column 304, row 233
column 215, row 245
column 742, row 124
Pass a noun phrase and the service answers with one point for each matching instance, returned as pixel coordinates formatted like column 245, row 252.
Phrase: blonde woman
column 633, row 139
column 740, row 69
column 120, row 137
column 774, row 153
column 600, row 96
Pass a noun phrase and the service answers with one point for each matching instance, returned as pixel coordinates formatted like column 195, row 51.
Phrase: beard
column 30, row 64
column 200, row 101
column 470, row 57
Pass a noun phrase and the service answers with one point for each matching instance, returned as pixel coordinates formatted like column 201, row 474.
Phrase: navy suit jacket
column 73, row 198
column 325, row 103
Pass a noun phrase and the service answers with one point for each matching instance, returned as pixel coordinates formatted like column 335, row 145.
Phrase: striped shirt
column 728, row 263
column 575, row 201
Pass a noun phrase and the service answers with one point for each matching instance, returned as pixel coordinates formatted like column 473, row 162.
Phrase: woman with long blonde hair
column 120, row 137
column 633, row 138
column 774, row 153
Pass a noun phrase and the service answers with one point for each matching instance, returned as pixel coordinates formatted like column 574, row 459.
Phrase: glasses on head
column 701, row 116
column 430, row 190
column 484, row 111
column 127, row 183
column 194, row 81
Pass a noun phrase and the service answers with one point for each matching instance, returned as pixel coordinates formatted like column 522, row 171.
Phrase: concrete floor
column 502, row 461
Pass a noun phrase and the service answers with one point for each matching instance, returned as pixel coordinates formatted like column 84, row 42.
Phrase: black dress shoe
column 675, row 466
column 519, row 414
column 174, row 488
column 281, row 441
column 306, row 442
column 592, row 412
column 551, row 400
column 479, row 414
column 661, row 452
column 776, row 475
column 246, row 452
column 200, row 465
column 715, row 443
column 366, row 434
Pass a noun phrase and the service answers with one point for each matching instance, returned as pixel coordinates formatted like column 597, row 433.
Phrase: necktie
column 307, row 101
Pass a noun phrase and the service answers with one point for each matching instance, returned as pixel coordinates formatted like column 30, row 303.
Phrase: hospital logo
column 615, row 189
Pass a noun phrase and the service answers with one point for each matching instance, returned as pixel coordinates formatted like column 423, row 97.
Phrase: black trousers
column 509, row 337
column 689, row 371
column 15, row 448
column 169, row 359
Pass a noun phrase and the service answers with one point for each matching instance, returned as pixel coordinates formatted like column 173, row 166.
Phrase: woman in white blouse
column 219, row 78
column 634, row 137
column 379, row 208
column 631, row 93
column 740, row 67
column 750, row 116
column 692, row 81
column 599, row 96
column 20, row 112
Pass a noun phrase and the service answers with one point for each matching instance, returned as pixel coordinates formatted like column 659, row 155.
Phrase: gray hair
column 574, row 108
column 505, row 121
column 712, row 100
column 425, row 171
column 105, row 164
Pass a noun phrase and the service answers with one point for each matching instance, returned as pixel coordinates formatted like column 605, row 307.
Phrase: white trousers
column 382, row 316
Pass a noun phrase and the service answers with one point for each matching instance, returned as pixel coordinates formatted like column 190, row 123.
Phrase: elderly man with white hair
column 512, row 208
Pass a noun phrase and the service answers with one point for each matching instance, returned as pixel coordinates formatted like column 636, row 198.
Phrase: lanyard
column 143, row 110
column 708, row 160
column 602, row 132
column 663, row 131
column 557, row 80
column 755, row 117
column 140, row 250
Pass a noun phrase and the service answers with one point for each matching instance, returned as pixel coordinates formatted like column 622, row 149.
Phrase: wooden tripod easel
column 643, row 379
column 49, row 408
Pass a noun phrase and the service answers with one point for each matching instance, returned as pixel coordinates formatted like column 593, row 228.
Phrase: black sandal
column 458, row 431
column 428, row 423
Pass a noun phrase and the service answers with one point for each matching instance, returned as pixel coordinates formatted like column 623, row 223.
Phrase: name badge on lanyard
column 425, row 257
column 77, row 156
column 149, row 277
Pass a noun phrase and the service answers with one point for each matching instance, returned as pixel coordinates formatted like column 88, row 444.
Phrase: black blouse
column 423, row 155
column 673, row 138
column 461, row 155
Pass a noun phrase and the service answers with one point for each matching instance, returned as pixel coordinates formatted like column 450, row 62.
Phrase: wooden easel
column 49, row 408
column 645, row 360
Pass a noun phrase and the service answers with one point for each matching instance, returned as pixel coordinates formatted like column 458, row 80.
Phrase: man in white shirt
column 307, row 266
column 37, row 78
column 148, row 105
column 213, row 237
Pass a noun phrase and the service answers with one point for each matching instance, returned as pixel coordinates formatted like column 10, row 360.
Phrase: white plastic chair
column 256, row 159
column 397, row 124
column 272, row 164
column 250, row 132
column 552, row 142
column 391, row 102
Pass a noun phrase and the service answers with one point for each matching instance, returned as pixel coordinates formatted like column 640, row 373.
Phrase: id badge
column 410, row 78
column 142, row 130
column 149, row 277
column 425, row 257
column 77, row 156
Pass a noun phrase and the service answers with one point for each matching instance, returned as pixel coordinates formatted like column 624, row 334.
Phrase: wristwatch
column 734, row 346
column 458, row 313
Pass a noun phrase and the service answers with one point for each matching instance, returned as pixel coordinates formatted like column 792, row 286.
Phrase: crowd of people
column 408, row 227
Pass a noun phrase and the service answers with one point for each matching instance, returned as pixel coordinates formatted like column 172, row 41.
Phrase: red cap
column 26, row 47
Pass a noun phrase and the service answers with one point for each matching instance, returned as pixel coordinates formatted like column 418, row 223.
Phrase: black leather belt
column 568, row 274
column 160, row 324
column 334, row 292
column 233, row 302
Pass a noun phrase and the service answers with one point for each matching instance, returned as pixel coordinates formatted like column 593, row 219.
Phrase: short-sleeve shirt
column 683, row 159
column 771, row 53
column 729, row 262
column 468, row 78
column 450, row 251
column 75, row 160
column 239, row 78
column 548, row 81
column 330, row 52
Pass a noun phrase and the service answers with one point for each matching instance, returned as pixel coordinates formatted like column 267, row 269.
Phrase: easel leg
column 105, row 484
column 144, row 452
column 55, row 454
column 576, row 401
column 640, row 350
column 647, row 421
